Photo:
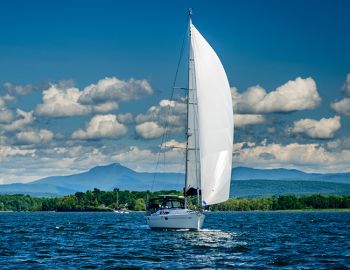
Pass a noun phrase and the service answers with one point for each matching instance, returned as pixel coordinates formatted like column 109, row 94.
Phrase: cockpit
column 165, row 202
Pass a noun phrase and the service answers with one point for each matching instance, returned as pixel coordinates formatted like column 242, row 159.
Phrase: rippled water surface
column 248, row 240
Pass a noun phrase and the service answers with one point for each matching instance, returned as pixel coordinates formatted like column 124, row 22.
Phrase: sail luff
column 215, row 121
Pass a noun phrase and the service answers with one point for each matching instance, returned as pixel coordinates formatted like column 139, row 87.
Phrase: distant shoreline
column 106, row 201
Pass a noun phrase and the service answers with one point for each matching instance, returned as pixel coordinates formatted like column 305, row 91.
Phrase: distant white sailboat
column 209, row 141
column 120, row 210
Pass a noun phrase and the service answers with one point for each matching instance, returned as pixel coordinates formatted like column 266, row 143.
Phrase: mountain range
column 244, row 173
column 246, row 182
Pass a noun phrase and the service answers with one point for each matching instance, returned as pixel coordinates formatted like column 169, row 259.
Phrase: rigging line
column 164, row 136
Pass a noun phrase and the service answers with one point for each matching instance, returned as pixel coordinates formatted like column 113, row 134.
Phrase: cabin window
column 177, row 204
column 168, row 204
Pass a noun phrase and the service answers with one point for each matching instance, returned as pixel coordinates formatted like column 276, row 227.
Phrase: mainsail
column 212, row 116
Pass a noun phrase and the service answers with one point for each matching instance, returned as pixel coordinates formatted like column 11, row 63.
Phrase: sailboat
column 209, row 141
column 120, row 210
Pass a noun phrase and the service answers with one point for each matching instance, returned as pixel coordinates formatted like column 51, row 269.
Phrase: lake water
column 237, row 240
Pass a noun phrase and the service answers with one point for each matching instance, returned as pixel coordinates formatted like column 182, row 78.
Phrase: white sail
column 215, row 121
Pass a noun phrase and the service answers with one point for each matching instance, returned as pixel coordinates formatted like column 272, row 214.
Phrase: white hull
column 176, row 219
column 120, row 212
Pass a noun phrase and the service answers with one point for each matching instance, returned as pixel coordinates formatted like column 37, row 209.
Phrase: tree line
column 98, row 200
column 285, row 202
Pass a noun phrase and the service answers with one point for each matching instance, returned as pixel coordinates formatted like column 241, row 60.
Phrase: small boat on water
column 209, row 141
column 120, row 210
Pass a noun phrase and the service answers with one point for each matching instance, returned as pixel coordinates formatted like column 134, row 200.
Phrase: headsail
column 215, row 121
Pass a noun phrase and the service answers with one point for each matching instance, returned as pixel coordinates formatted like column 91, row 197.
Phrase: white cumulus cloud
column 25, row 163
column 6, row 116
column 104, row 107
column 173, row 144
column 149, row 130
column 346, row 86
column 300, row 94
column 8, row 151
column 308, row 157
column 113, row 89
column 2, row 103
column 241, row 120
column 145, row 160
column 322, row 129
column 125, row 118
column 18, row 89
column 342, row 106
column 34, row 137
column 59, row 101
column 23, row 119
column 101, row 126
column 168, row 113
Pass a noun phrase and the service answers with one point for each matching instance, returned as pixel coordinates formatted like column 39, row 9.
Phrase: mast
column 192, row 182
column 187, row 103
column 117, row 197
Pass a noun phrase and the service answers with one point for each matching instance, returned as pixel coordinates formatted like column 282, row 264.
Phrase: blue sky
column 72, row 45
